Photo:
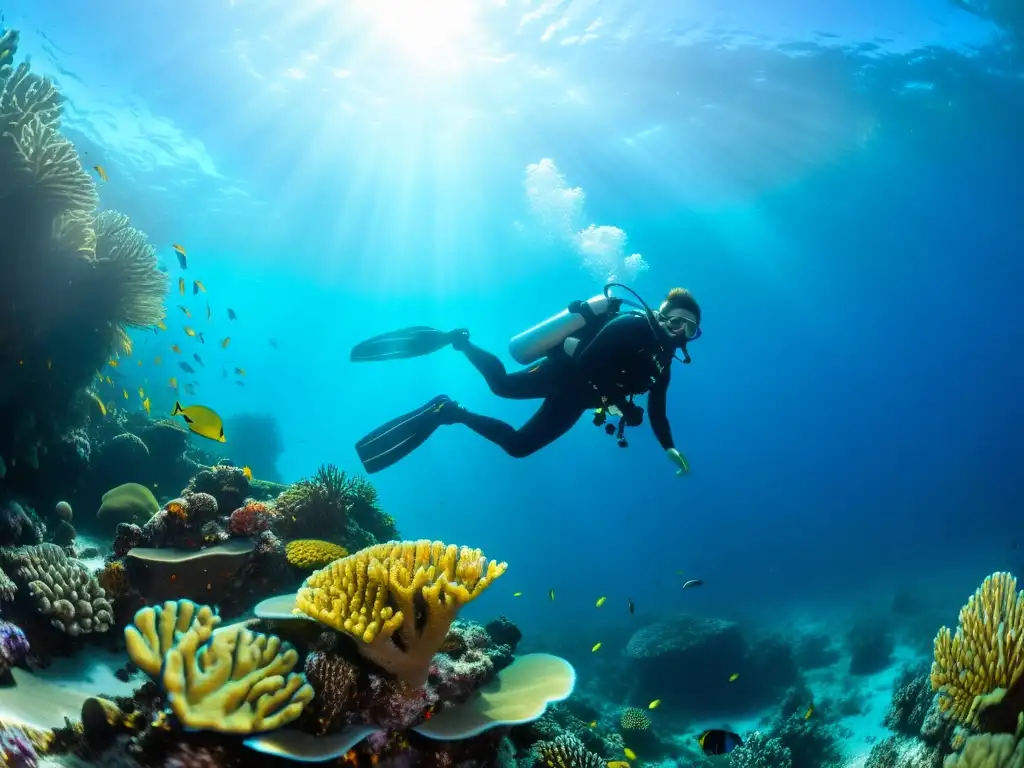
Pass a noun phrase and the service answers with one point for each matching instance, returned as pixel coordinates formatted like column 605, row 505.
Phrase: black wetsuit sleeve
column 656, row 401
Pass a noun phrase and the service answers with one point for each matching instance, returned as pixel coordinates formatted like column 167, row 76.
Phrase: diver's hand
column 679, row 460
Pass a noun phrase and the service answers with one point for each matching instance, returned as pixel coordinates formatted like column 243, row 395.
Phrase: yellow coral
column 313, row 553
column 239, row 682
column 412, row 588
column 113, row 578
column 989, row 751
column 974, row 667
column 156, row 629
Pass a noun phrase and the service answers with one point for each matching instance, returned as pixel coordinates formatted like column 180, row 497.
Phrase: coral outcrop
column 313, row 553
column 398, row 599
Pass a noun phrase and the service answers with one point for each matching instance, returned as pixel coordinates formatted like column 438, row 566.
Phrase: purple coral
column 17, row 750
column 13, row 646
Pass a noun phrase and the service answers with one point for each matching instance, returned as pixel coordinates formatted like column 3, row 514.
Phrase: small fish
column 718, row 742
column 176, row 349
column 592, row 724
column 109, row 380
column 162, row 325
column 809, row 712
column 632, row 606
column 156, row 360
column 198, row 359
column 142, row 394
column 551, row 593
column 201, row 420
column 517, row 594
column 654, row 704
column 734, row 677
column 101, row 172
column 126, row 346
column 99, row 403
column 600, row 602
column 189, row 331
column 173, row 382
column 224, row 344
column 182, row 256
column 240, row 383
column 186, row 367
column 139, row 363
column 125, row 393
column 273, row 343
column 184, row 309
column 113, row 363
column 619, row 764
column 247, row 472
column 146, row 405
column 629, row 753
column 240, row 371
column 201, row 339
column 197, row 286
column 693, row 583
column 181, row 285
column 679, row 573
column 596, row 648
column 190, row 388
column 209, row 312
column 231, row 314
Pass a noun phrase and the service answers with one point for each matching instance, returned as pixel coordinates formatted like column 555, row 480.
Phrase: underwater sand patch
column 305, row 748
column 519, row 694
column 39, row 703
column 197, row 574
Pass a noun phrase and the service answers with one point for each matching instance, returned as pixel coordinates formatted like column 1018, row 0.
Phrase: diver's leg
column 530, row 384
column 555, row 417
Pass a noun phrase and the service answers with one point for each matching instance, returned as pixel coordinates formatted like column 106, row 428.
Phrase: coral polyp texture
column 634, row 719
column 398, row 599
column 567, row 751
column 228, row 680
column 63, row 588
column 313, row 553
column 989, row 751
column 976, row 665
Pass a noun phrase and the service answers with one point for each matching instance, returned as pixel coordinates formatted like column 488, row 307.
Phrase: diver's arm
column 656, row 414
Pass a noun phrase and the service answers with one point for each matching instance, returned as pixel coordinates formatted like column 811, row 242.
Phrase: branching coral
column 566, row 751
column 126, row 266
column 974, row 667
column 63, row 588
column 399, row 599
column 156, row 629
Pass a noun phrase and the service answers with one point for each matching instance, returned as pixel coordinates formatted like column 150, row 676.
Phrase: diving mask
column 686, row 325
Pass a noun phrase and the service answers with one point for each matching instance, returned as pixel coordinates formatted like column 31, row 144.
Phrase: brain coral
column 313, row 553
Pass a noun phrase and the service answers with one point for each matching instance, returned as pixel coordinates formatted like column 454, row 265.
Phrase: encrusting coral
column 62, row 587
column 398, row 599
column 975, row 667
column 228, row 680
column 313, row 553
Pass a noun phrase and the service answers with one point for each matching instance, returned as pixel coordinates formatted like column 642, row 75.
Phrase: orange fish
column 175, row 348
column 100, row 171
column 162, row 325
column 224, row 344
column 156, row 360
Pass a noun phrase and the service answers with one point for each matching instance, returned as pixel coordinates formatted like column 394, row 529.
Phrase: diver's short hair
column 680, row 298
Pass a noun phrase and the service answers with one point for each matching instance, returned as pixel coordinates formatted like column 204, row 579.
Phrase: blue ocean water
column 839, row 184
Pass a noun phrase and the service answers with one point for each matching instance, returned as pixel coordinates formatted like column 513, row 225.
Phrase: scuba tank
column 537, row 342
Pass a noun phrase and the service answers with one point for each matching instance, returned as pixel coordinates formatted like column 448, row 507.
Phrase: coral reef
column 309, row 554
column 634, row 719
column 977, row 666
column 13, row 646
column 567, row 751
column 225, row 484
column 63, row 589
column 127, row 503
column 911, row 701
column 373, row 594
column 19, row 526
column 989, row 751
column 253, row 518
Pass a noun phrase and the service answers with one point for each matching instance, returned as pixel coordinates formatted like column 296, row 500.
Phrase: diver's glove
column 679, row 460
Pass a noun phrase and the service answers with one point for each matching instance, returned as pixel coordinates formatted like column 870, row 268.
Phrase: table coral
column 63, row 588
column 975, row 667
column 398, row 599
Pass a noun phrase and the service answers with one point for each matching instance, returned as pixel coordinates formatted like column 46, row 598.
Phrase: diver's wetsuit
column 624, row 358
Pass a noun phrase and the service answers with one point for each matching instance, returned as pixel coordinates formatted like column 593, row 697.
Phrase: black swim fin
column 404, row 343
column 400, row 437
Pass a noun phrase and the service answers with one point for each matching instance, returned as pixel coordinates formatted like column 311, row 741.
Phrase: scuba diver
column 592, row 355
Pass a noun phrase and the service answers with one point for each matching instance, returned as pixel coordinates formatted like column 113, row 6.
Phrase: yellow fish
column 197, row 286
column 600, row 601
column 156, row 360
column 100, row 171
column 734, row 677
column 113, row 363
column 181, row 285
column 629, row 753
column 162, row 325
column 109, row 380
column 175, row 348
column 240, row 371
column 173, row 382
column 142, row 394
column 619, row 764
column 654, row 704
column 179, row 248
column 596, row 648
column 201, row 420
column 551, row 593
column 189, row 331
column 146, row 405
column 125, row 393
column 517, row 594
column 809, row 712
column 224, row 344
column 99, row 403
column 139, row 363
column 247, row 472
column 592, row 724
column 184, row 309
column 126, row 345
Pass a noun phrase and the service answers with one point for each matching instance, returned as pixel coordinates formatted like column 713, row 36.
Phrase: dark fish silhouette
column 187, row 368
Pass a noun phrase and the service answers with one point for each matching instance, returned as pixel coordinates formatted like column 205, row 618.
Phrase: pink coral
column 254, row 517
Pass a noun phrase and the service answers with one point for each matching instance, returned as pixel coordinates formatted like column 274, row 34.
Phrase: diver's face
column 679, row 324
